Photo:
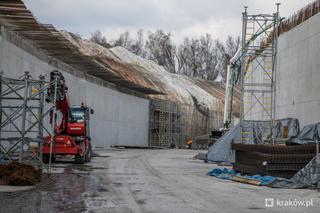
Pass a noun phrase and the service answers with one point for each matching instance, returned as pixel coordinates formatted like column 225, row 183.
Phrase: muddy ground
column 146, row 181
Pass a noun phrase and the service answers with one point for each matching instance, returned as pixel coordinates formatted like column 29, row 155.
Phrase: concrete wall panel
column 298, row 73
column 119, row 118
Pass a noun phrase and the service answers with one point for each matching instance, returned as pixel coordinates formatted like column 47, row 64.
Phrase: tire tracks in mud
column 185, row 192
column 144, row 172
column 177, row 190
column 161, row 181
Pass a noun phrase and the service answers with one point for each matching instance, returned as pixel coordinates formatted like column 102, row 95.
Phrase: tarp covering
column 309, row 134
column 286, row 128
column 228, row 174
column 221, row 151
column 289, row 128
column 224, row 173
column 305, row 178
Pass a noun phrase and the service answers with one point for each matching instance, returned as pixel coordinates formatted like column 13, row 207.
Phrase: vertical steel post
column 24, row 114
column 176, row 126
column 159, row 121
column 227, row 97
column 274, row 68
column 40, row 116
column 244, row 32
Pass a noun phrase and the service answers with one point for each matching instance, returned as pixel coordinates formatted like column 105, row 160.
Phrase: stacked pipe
column 275, row 160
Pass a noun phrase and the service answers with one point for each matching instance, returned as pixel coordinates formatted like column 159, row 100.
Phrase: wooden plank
column 246, row 180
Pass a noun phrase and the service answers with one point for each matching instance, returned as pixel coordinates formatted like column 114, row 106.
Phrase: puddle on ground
column 68, row 191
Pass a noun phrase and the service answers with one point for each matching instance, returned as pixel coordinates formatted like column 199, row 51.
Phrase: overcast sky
column 180, row 17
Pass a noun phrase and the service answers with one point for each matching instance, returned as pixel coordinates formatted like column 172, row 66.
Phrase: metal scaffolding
column 164, row 123
column 257, row 77
column 22, row 108
column 173, row 124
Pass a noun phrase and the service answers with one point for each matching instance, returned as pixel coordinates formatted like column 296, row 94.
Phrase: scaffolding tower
column 173, row 124
column 257, row 77
column 23, row 110
column 164, row 124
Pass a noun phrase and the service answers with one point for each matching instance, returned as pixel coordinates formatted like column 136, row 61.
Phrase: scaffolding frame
column 172, row 123
column 257, row 77
column 22, row 110
column 164, row 123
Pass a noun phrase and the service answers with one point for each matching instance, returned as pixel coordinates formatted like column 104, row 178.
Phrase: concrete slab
column 149, row 181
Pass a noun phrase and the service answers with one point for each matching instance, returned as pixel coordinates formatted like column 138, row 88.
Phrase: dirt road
column 147, row 181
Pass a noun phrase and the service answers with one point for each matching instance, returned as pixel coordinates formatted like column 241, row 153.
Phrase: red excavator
column 72, row 133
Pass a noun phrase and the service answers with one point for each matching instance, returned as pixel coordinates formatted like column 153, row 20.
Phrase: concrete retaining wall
column 119, row 118
column 298, row 73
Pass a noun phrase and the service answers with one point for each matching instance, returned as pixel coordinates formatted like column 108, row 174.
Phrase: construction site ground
column 140, row 180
